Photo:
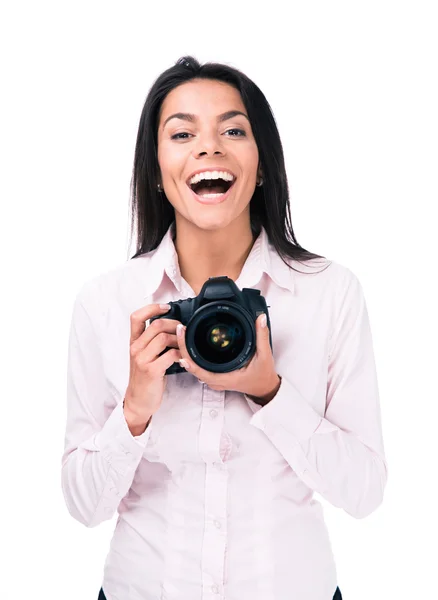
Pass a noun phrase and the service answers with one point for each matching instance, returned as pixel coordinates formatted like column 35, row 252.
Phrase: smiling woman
column 213, row 473
column 219, row 172
column 218, row 149
column 206, row 118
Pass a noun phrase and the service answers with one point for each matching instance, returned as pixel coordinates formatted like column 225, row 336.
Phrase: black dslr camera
column 220, row 321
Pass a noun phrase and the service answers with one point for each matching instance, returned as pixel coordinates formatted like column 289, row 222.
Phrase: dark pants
column 337, row 595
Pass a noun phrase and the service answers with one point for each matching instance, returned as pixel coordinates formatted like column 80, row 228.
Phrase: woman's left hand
column 258, row 378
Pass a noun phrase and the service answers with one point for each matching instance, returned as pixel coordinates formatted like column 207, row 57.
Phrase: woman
column 213, row 474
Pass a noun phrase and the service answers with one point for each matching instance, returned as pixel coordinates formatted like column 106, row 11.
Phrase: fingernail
column 165, row 306
column 179, row 330
column 184, row 364
column 263, row 320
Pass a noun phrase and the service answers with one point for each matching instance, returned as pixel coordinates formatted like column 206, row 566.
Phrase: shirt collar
column 263, row 258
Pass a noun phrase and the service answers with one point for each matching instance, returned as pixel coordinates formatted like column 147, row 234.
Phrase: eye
column 176, row 136
column 239, row 130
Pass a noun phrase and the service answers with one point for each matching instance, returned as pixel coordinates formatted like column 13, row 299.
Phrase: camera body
column 220, row 325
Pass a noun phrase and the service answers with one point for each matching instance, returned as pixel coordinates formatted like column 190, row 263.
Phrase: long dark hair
column 151, row 211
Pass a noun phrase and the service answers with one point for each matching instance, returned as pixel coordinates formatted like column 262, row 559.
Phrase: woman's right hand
column 147, row 379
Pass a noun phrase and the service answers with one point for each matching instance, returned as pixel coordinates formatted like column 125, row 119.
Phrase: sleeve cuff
column 290, row 421
column 290, row 411
column 120, row 448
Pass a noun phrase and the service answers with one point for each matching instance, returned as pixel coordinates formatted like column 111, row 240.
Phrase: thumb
column 262, row 333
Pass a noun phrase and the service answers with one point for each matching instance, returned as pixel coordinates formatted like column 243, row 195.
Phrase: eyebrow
column 192, row 118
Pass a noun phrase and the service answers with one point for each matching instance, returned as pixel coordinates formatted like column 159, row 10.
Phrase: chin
column 210, row 221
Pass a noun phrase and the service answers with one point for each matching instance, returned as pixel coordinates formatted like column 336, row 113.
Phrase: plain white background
column 353, row 87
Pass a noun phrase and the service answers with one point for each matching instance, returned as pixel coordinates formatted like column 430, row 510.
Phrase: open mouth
column 211, row 188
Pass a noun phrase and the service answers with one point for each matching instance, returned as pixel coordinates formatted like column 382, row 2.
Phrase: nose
column 209, row 144
column 206, row 152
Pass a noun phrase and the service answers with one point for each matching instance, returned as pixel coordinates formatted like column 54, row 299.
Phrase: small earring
column 159, row 188
column 260, row 183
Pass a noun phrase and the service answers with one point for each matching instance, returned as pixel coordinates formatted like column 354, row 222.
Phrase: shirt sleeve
column 339, row 454
column 100, row 453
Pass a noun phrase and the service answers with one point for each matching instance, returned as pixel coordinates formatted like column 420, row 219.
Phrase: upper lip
column 209, row 169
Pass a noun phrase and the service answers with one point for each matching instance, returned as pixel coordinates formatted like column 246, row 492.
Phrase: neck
column 205, row 253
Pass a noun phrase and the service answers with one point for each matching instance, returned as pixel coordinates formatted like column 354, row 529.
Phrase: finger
column 173, row 342
column 262, row 335
column 140, row 316
column 181, row 339
column 154, row 349
column 156, row 327
column 166, row 360
column 190, row 365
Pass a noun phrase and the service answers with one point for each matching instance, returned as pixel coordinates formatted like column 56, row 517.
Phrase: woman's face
column 206, row 143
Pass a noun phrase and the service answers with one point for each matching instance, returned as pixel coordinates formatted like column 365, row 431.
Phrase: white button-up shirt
column 215, row 499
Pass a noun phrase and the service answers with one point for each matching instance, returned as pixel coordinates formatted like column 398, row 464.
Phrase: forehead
column 203, row 98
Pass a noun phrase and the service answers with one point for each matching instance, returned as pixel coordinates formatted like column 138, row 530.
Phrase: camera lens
column 219, row 338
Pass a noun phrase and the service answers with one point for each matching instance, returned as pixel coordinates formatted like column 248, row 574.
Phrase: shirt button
column 217, row 525
column 215, row 589
column 213, row 413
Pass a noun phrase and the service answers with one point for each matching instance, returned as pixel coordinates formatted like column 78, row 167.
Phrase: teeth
column 210, row 195
column 211, row 175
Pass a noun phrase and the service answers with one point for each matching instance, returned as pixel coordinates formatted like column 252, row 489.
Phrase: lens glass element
column 219, row 338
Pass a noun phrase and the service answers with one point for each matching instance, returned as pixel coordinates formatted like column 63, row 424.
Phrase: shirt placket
column 216, row 491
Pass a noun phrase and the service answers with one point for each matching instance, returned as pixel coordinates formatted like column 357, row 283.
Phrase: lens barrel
column 221, row 337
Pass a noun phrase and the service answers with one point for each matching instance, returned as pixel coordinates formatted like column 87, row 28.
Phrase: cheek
column 164, row 163
column 169, row 159
column 250, row 166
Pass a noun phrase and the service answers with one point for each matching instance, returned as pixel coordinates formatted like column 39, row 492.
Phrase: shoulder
column 323, row 272
column 329, row 286
column 343, row 291
column 120, row 281
column 344, row 279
